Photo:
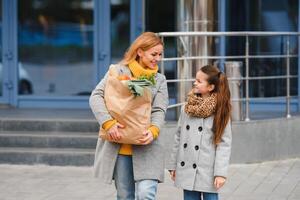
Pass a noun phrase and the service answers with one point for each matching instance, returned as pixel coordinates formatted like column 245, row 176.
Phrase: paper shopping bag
column 132, row 111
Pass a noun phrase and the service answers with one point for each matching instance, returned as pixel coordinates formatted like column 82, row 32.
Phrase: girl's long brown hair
column 145, row 41
column 223, row 107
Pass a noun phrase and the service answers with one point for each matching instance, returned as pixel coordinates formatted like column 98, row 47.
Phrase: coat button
column 187, row 127
column 196, row 147
column 194, row 166
column 200, row 128
column 184, row 145
column 182, row 163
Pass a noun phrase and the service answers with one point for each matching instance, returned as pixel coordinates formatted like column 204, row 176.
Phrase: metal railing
column 181, row 38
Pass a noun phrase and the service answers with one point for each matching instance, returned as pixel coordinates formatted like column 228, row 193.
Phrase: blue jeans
column 195, row 195
column 127, row 188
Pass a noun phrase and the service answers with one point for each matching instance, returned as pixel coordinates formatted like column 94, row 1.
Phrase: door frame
column 101, row 54
column 9, row 53
column 5, row 84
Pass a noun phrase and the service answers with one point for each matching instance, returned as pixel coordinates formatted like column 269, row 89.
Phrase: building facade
column 54, row 52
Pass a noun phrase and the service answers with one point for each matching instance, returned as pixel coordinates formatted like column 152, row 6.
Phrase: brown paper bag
column 133, row 112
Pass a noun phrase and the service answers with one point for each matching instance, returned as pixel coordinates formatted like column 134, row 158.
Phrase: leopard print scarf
column 201, row 107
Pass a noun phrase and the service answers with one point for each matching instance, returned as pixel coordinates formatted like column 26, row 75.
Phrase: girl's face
column 150, row 58
column 201, row 86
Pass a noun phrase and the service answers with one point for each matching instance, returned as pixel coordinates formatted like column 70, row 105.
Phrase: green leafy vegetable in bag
column 137, row 86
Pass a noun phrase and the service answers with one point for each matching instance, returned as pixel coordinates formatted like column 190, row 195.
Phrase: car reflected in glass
column 25, row 83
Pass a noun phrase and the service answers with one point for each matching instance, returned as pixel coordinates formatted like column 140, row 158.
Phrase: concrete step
column 48, row 156
column 48, row 139
column 51, row 142
column 49, row 125
column 48, row 136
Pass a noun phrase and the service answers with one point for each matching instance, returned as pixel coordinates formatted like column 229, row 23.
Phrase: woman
column 136, row 169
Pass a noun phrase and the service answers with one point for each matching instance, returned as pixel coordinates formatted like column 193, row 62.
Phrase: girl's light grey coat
column 194, row 156
column 148, row 160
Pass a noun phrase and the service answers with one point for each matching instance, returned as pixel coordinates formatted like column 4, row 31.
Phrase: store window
column 265, row 15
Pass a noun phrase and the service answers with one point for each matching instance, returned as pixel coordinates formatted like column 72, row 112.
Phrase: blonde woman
column 135, row 169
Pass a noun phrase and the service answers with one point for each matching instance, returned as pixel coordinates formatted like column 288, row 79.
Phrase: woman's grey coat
column 194, row 156
column 148, row 160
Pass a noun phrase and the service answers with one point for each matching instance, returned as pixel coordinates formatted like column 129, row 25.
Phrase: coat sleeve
column 223, row 152
column 171, row 165
column 159, row 104
column 97, row 103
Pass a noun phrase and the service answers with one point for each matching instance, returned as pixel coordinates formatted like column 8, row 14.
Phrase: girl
column 201, row 151
column 136, row 169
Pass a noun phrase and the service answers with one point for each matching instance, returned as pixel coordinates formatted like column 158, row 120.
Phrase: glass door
column 55, row 48
column 61, row 48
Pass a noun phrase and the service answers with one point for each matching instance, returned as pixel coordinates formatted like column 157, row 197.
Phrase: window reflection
column 55, row 41
column 120, row 28
column 265, row 15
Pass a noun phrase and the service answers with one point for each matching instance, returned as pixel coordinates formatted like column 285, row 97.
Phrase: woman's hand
column 172, row 174
column 114, row 133
column 147, row 137
column 219, row 182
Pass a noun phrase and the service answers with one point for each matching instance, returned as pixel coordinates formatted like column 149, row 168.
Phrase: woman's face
column 201, row 86
column 150, row 57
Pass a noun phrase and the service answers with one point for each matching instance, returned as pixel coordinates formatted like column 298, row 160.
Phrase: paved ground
column 277, row 180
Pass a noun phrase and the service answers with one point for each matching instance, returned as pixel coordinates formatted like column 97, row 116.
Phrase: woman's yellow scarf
column 137, row 70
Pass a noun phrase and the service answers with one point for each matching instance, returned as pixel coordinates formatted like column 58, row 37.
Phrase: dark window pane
column 55, row 41
column 120, row 28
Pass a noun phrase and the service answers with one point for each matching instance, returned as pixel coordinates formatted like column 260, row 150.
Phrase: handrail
column 233, row 33
column 240, row 78
column 228, row 57
column 246, row 57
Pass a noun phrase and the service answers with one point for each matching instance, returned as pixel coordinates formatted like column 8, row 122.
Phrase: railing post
column 247, row 78
column 288, row 110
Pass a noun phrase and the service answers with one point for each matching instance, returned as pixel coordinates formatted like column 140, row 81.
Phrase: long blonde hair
column 145, row 41
column 223, row 108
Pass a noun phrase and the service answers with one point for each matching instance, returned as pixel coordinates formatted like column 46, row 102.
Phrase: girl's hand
column 114, row 133
column 219, row 182
column 147, row 137
column 172, row 174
